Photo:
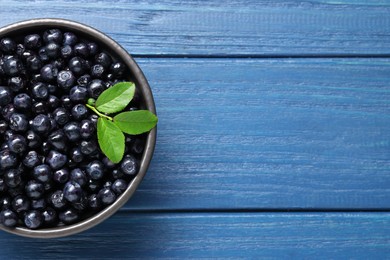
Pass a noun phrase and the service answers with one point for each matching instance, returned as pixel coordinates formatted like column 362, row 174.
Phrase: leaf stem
column 98, row 113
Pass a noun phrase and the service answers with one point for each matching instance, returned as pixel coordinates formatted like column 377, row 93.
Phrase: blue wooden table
column 274, row 130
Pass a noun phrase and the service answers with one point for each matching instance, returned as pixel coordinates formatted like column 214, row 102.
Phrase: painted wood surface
column 265, row 107
column 248, row 28
column 219, row 236
column 274, row 133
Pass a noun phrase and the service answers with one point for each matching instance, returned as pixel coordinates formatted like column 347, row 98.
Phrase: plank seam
column 261, row 56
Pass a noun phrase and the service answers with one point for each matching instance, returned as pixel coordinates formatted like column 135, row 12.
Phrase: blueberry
column 53, row 88
column 118, row 69
column 57, row 140
column 5, row 202
column 33, row 219
column 22, row 102
column 95, row 170
column 7, row 160
column 12, row 66
column 41, row 123
column 61, row 116
column 17, row 144
column 7, row 45
column 77, row 65
column 12, row 178
column 107, row 163
column 20, row 49
column 33, row 139
column 42, row 54
column 34, row 63
column 70, row 39
column 106, row 196
column 104, row 59
column 52, row 35
column 39, row 91
column 84, row 80
column 61, row 175
column 72, row 191
column 39, row 107
column 76, row 155
column 81, row 49
column 66, row 79
column 3, row 126
column 16, row 84
column 34, row 189
column 87, row 129
column 88, row 147
column 79, row 112
column 95, row 88
column 78, row 176
column 56, row 160
column 8, row 218
column 66, row 51
column 53, row 101
column 32, row 41
column 20, row 204
column 42, row 173
column 78, row 94
column 31, row 159
column 57, row 199
column 137, row 146
column 39, row 204
column 119, row 186
column 93, row 202
column 93, row 48
column 5, row 96
column 129, row 165
column 45, row 148
column 18, row 122
column 97, row 71
column 69, row 216
column 49, row 216
column 49, row 72
column 72, row 131
column 7, row 111
column 66, row 102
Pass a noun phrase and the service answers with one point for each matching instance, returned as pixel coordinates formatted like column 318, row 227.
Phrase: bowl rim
column 143, row 85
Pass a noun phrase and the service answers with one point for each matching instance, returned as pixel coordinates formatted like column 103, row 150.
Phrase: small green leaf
column 135, row 122
column 111, row 140
column 115, row 98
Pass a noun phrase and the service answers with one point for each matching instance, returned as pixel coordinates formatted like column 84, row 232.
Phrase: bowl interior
column 135, row 74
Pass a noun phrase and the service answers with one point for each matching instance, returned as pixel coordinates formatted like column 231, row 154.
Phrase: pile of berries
column 52, row 171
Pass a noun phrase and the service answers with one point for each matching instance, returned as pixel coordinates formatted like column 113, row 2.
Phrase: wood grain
column 219, row 236
column 209, row 28
column 269, row 133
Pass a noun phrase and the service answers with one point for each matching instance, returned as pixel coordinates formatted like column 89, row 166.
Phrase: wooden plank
column 269, row 133
column 247, row 28
column 222, row 236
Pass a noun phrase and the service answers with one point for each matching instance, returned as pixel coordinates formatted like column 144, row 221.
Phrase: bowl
column 135, row 74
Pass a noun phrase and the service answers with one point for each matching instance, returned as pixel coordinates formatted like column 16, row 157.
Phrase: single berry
column 34, row 189
column 7, row 159
column 129, row 165
column 79, row 112
column 84, row 80
column 17, row 144
column 61, row 116
column 31, row 159
column 57, row 199
column 78, row 176
column 88, row 147
column 20, row 204
column 53, row 101
column 16, row 84
column 56, row 160
column 72, row 191
column 97, row 71
column 7, row 45
column 119, row 186
column 32, row 41
column 69, row 39
column 12, row 178
column 95, row 88
column 68, row 216
column 65, row 79
column 33, row 219
column 81, row 49
column 77, row 65
column 104, row 59
column 72, row 131
column 57, row 140
column 41, row 124
column 106, row 196
column 49, row 72
column 61, row 175
column 39, row 91
column 42, row 173
column 18, row 122
column 22, row 102
column 8, row 218
column 118, row 69
column 12, row 66
column 39, row 108
column 78, row 94
column 95, row 170
column 33, row 63
column 66, row 102
column 49, row 216
column 76, row 155
column 33, row 139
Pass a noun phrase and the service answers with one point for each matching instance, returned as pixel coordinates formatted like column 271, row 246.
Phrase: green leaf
column 111, row 139
column 115, row 98
column 135, row 122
